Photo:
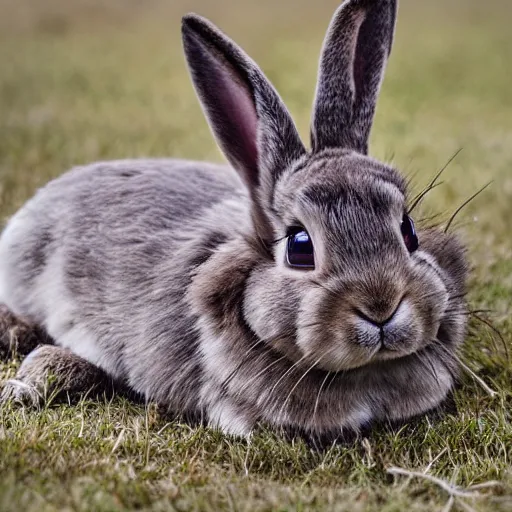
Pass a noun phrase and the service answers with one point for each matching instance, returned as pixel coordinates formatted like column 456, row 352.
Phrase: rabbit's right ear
column 354, row 56
column 245, row 113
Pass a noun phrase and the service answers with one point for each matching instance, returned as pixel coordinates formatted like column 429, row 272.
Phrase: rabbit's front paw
column 228, row 418
column 21, row 392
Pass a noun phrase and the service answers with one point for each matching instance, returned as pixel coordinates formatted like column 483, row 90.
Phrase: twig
column 119, row 440
column 480, row 381
column 451, row 489
column 485, row 485
column 465, row 506
column 449, row 505
column 435, row 459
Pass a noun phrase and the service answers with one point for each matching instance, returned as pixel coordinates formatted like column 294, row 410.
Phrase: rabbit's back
column 101, row 258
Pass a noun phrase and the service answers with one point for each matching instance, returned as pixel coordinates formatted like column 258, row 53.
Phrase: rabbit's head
column 342, row 280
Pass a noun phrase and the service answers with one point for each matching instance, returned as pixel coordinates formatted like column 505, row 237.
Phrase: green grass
column 88, row 80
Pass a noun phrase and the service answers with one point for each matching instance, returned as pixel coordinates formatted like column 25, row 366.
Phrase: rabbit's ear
column 354, row 56
column 245, row 113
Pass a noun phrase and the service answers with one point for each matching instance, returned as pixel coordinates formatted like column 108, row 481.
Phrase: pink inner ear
column 237, row 122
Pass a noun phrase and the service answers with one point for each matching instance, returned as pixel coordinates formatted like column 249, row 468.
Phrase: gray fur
column 170, row 276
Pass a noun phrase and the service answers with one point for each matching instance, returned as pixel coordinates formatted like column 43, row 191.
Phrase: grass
column 88, row 80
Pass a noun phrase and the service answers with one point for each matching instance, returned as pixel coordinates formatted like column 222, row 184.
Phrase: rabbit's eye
column 299, row 249
column 409, row 233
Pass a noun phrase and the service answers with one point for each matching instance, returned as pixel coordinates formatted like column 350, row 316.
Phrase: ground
column 88, row 80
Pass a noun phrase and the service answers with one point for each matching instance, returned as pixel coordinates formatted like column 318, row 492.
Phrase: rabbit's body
column 102, row 257
column 296, row 295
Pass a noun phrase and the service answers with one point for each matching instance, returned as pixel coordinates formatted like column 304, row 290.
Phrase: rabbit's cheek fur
column 328, row 337
column 445, row 257
column 429, row 293
column 272, row 308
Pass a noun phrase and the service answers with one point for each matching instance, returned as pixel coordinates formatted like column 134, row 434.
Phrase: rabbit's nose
column 392, row 332
column 378, row 313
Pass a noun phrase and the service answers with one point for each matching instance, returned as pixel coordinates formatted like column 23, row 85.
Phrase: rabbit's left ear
column 247, row 117
column 354, row 56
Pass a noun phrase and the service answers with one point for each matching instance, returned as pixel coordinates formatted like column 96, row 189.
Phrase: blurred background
column 84, row 80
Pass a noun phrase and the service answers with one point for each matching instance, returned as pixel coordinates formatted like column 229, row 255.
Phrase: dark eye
column 299, row 249
column 409, row 233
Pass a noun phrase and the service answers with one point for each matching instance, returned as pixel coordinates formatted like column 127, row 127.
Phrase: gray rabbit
column 294, row 291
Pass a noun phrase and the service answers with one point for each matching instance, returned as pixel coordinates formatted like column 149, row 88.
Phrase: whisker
column 428, row 219
column 433, row 183
column 420, row 196
column 469, row 312
column 464, row 204
column 448, row 354
column 315, row 364
column 334, row 376
column 478, row 311
column 297, row 383
column 496, row 331
column 439, row 293
column 317, row 401
column 231, row 376
column 459, row 310
column 425, row 361
column 287, row 372
column 455, row 297
column 261, row 372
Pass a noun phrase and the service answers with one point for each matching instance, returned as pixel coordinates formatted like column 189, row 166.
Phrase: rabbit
column 289, row 288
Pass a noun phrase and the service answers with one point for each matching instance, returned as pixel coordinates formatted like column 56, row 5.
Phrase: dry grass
column 88, row 80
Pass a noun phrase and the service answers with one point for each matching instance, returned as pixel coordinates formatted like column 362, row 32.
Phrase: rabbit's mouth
column 349, row 331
